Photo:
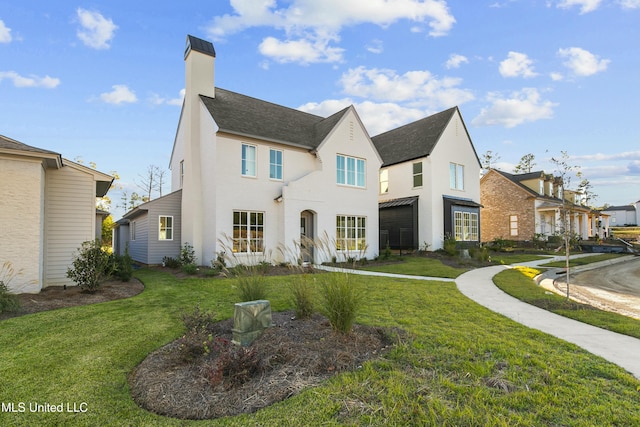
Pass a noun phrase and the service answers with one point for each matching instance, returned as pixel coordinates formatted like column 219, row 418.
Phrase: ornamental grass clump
column 302, row 296
column 8, row 301
column 340, row 300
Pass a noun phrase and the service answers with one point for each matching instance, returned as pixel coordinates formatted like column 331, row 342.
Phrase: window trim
column 276, row 165
column 351, row 172
column 249, row 234
column 170, row 228
column 385, row 182
column 351, row 233
column 466, row 226
column 244, row 167
column 417, row 174
column 456, row 176
column 181, row 173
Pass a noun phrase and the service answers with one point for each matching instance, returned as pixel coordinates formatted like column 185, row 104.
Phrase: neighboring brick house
column 47, row 210
column 524, row 207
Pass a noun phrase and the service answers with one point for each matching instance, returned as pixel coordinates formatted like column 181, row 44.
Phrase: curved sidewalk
column 620, row 349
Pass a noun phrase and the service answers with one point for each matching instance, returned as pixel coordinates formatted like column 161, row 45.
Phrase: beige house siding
column 21, row 222
column 70, row 220
column 502, row 199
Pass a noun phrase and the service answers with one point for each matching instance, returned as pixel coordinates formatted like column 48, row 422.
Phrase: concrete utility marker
column 478, row 285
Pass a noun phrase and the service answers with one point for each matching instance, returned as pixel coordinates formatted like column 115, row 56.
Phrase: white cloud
column 31, row 81
column 158, row 100
column 556, row 77
column 586, row 6
column 456, row 60
column 119, row 95
column 521, row 107
column 376, row 117
column 310, row 24
column 303, row 51
column 630, row 4
column 5, row 33
column 416, row 88
column 582, row 62
column 517, row 65
column 375, row 46
column 599, row 157
column 97, row 31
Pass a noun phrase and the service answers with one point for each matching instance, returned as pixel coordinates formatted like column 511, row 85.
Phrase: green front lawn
column 525, row 289
column 464, row 365
column 583, row 261
column 418, row 266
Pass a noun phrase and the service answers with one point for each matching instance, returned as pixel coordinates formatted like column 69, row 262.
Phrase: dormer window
column 541, row 187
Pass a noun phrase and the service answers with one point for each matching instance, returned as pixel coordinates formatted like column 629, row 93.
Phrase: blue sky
column 102, row 81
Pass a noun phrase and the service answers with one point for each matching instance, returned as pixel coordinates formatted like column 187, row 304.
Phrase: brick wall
column 501, row 199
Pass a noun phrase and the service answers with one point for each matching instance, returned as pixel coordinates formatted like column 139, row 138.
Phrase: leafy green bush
column 199, row 336
column 340, row 302
column 170, row 262
column 121, row 266
column 449, row 246
column 90, row 266
column 187, row 254
column 302, row 296
column 189, row 268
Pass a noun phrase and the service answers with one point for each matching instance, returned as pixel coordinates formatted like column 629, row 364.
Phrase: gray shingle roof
column 414, row 140
column 51, row 158
column 246, row 116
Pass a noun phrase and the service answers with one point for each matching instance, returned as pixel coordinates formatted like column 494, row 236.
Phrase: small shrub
column 189, row 268
column 480, row 254
column 340, row 302
column 449, row 246
column 121, row 266
column 8, row 301
column 387, row 252
column 90, row 266
column 302, row 297
column 187, row 254
column 170, row 262
column 199, row 337
column 234, row 365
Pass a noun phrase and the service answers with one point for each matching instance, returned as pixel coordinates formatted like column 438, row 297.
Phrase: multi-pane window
column 248, row 231
column 384, row 181
column 248, row 160
column 417, row 174
column 166, row 228
column 275, row 164
column 351, row 232
column 513, row 225
column 350, row 171
column 466, row 226
column 456, row 176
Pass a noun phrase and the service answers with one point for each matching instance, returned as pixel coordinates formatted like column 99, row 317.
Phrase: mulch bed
column 293, row 354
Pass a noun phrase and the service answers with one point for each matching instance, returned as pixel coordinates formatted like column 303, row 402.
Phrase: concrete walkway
column 478, row 285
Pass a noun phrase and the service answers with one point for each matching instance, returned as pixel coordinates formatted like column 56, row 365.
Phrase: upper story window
column 417, row 174
column 132, row 230
column 350, row 171
column 384, row 181
column 181, row 173
column 456, row 176
column 165, row 228
column 275, row 164
column 248, row 160
column 541, row 190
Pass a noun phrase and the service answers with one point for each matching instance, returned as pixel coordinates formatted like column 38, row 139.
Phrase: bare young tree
column 152, row 182
column 526, row 164
column 489, row 158
column 564, row 171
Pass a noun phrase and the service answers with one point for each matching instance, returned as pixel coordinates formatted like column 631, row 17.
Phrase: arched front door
column 306, row 236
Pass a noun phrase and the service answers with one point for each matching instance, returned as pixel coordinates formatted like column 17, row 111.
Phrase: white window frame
column 169, row 228
column 248, row 231
column 418, row 174
column 276, row 167
column 351, row 233
column 513, row 225
column 249, row 166
column 181, row 173
column 465, row 226
column 351, row 171
column 456, row 176
column 384, row 181
column 132, row 231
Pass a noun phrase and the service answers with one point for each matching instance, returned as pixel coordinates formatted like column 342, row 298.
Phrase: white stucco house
column 429, row 183
column 623, row 215
column 257, row 179
column 47, row 210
